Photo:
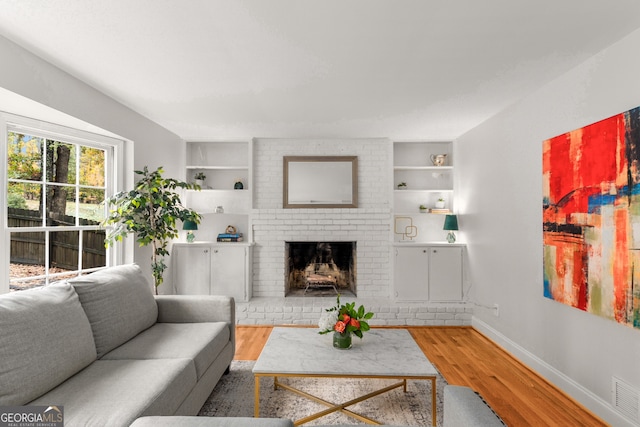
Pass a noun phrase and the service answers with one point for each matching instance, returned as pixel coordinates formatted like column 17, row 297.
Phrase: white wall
column 500, row 195
column 148, row 143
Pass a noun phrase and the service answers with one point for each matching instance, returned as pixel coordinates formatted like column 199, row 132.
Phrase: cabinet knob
column 435, row 251
column 206, row 251
column 424, row 251
column 215, row 251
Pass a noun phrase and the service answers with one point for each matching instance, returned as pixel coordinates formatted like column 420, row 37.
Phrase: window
column 57, row 180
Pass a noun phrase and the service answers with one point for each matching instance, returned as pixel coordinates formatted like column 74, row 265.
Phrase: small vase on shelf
column 342, row 341
column 200, row 178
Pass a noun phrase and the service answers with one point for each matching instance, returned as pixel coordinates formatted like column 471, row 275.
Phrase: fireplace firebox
column 320, row 268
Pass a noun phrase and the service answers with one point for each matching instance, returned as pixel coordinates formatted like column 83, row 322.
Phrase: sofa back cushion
column 119, row 304
column 45, row 338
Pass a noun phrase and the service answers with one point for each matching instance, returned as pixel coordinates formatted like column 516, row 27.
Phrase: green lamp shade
column 450, row 222
column 189, row 225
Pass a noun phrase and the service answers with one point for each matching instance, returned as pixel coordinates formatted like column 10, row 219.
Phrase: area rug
column 234, row 394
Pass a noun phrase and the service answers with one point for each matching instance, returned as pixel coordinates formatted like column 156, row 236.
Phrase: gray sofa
column 463, row 407
column 109, row 351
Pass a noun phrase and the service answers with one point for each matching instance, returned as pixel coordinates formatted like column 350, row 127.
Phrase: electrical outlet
column 496, row 310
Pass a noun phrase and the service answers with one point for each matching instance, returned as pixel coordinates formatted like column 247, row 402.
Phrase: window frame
column 114, row 178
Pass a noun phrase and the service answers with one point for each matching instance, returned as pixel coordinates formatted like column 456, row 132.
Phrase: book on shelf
column 230, row 237
column 439, row 211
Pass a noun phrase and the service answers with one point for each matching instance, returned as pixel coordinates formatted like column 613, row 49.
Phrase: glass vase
column 342, row 341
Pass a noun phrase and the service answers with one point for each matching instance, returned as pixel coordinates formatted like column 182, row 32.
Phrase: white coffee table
column 381, row 354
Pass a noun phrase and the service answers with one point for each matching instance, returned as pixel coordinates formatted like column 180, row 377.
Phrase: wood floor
column 465, row 357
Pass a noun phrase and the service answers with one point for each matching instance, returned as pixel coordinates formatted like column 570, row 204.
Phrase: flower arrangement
column 345, row 319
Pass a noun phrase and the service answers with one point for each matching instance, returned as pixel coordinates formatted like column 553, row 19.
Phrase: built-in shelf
column 426, row 184
column 224, row 163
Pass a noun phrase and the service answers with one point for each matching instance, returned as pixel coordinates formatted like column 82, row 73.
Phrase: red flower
column 346, row 318
column 355, row 323
column 340, row 326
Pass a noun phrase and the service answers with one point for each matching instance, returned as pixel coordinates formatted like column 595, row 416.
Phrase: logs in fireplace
column 325, row 266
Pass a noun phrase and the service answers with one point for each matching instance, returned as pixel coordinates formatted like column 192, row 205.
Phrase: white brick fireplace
column 368, row 224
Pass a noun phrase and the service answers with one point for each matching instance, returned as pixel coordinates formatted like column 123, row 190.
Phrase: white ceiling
column 311, row 68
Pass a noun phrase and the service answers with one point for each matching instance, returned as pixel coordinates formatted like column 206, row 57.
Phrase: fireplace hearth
column 320, row 268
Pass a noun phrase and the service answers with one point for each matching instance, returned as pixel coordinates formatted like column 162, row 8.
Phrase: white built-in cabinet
column 428, row 272
column 426, row 268
column 207, row 268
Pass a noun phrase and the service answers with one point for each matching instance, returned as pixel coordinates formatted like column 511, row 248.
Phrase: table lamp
column 190, row 226
column 451, row 225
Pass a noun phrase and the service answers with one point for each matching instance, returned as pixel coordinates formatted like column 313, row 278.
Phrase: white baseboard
column 594, row 403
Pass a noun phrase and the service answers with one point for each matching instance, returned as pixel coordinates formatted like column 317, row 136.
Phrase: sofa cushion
column 200, row 342
column 45, row 338
column 119, row 304
column 116, row 392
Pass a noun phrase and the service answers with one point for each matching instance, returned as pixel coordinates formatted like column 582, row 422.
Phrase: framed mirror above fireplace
column 320, row 182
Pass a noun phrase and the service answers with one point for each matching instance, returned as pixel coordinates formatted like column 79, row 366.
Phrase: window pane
column 24, row 154
column 61, row 206
column 92, row 166
column 65, row 246
column 27, row 256
column 63, row 252
column 91, row 206
column 23, row 205
column 94, row 253
column 61, row 163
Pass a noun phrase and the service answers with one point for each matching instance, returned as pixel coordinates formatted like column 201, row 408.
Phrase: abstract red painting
column 591, row 218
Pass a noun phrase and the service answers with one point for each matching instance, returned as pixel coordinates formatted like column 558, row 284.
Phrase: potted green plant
column 150, row 211
column 440, row 203
column 200, row 178
column 423, row 208
column 402, row 186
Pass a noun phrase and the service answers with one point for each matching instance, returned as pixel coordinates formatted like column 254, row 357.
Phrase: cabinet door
column 445, row 274
column 228, row 271
column 192, row 266
column 411, row 274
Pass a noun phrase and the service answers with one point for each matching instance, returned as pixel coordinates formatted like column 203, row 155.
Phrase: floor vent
column 626, row 399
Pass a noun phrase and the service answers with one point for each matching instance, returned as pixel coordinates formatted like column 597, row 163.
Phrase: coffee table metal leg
column 433, row 401
column 341, row 407
column 256, row 402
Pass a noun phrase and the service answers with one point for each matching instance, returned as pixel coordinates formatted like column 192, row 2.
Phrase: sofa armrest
column 463, row 407
column 198, row 308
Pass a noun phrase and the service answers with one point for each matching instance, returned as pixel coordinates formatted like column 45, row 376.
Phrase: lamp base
column 190, row 237
column 451, row 237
